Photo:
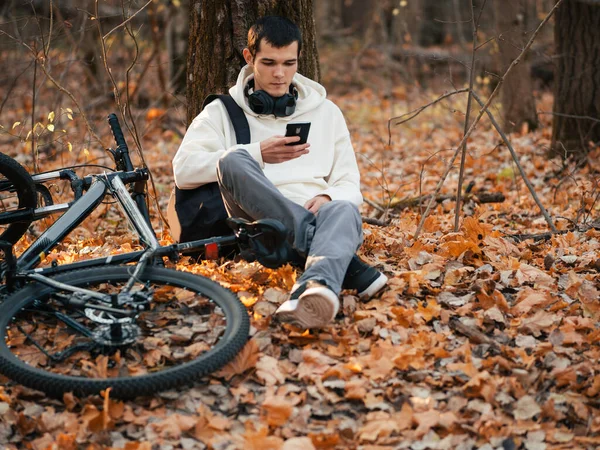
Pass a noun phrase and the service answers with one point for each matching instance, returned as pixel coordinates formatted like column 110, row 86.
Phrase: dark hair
column 276, row 30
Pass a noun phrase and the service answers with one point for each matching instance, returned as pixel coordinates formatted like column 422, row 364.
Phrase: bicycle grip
column 113, row 121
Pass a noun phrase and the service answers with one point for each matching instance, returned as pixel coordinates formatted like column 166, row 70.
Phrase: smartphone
column 298, row 129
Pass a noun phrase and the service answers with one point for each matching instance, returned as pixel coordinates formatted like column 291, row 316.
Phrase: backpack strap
column 236, row 115
column 200, row 212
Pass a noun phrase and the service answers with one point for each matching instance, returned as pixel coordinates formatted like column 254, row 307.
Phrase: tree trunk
column 577, row 78
column 218, row 34
column 517, row 92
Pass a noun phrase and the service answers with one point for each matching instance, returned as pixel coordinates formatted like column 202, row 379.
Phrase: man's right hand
column 274, row 150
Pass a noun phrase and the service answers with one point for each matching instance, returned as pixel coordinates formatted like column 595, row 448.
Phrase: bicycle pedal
column 236, row 224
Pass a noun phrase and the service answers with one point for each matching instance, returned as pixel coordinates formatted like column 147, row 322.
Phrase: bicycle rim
column 192, row 327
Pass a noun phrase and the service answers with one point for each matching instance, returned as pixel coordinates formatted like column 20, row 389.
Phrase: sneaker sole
column 313, row 311
column 374, row 287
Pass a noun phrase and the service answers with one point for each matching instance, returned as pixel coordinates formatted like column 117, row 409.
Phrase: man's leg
column 249, row 194
column 337, row 236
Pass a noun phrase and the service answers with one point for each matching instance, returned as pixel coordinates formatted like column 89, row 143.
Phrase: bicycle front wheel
column 17, row 190
column 192, row 327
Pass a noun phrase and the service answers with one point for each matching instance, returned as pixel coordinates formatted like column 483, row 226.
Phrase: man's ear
column 248, row 56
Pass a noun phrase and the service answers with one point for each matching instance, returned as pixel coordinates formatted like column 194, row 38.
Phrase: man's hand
column 275, row 151
column 315, row 203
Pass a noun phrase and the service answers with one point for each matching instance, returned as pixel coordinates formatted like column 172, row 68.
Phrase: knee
column 232, row 162
column 342, row 208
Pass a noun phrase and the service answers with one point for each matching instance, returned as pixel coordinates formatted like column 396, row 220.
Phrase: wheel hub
column 105, row 335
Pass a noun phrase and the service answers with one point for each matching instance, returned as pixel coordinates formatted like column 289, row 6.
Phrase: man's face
column 273, row 67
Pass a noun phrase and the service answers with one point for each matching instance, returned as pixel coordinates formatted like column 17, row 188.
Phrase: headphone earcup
column 261, row 103
column 285, row 105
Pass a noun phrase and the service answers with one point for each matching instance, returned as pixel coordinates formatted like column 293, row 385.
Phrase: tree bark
column 518, row 103
column 577, row 78
column 218, row 34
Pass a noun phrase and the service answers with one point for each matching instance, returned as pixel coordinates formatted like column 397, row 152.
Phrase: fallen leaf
column 246, row 359
column 526, row 408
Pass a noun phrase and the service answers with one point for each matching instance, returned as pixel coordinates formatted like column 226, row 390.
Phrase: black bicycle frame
column 81, row 208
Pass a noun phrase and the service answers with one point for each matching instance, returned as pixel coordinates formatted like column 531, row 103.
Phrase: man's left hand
column 315, row 203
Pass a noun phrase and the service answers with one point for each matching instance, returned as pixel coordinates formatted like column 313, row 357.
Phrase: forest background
column 487, row 335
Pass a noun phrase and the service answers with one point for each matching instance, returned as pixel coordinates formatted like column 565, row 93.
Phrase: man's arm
column 205, row 141
column 208, row 137
column 344, row 178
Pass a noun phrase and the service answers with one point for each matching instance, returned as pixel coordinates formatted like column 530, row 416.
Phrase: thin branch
column 13, row 83
column 75, row 102
column 483, row 44
column 47, row 48
column 516, row 160
column 33, row 99
column 156, row 40
column 374, row 205
column 58, row 86
column 377, row 222
column 415, row 112
column 122, row 24
column 481, row 113
column 568, row 116
column 461, row 174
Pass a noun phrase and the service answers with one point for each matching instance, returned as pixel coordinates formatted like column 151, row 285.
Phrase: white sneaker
column 316, row 307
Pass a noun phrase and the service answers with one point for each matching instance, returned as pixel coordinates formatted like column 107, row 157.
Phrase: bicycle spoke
column 179, row 326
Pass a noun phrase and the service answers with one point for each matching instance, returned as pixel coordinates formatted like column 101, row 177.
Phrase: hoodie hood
column 310, row 93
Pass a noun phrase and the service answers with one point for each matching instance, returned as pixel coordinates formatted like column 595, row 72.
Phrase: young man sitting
column 312, row 188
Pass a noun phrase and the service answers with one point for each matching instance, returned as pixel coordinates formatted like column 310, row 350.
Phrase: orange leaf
column 276, row 411
column 155, row 113
column 244, row 360
column 260, row 440
column 66, row 441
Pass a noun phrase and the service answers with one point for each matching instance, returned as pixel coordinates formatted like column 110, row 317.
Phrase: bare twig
column 75, row 49
column 371, row 221
column 415, row 112
column 131, row 125
column 482, row 112
column 57, row 85
column 481, row 197
column 122, row 24
column 475, row 26
column 47, row 47
column 156, row 40
column 13, row 83
column 483, row 44
column 33, row 99
column 374, row 205
column 473, row 334
column 518, row 164
column 569, row 116
column 75, row 102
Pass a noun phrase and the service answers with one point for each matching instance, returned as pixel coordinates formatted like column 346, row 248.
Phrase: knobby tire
column 14, row 179
column 21, row 312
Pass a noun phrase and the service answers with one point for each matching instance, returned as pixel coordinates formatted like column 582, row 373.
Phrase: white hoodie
column 329, row 168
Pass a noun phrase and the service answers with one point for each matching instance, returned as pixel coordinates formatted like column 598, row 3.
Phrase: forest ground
column 479, row 341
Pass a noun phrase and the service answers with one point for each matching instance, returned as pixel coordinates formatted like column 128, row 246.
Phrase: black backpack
column 201, row 211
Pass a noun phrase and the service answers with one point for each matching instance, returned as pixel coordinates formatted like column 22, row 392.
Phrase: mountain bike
column 97, row 324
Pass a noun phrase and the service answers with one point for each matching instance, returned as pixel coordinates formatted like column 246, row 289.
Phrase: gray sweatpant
column 328, row 239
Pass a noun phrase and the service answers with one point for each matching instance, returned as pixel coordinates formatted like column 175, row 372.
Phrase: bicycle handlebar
column 122, row 149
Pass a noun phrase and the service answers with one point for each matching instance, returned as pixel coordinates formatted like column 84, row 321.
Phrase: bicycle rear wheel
column 192, row 327
column 17, row 190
